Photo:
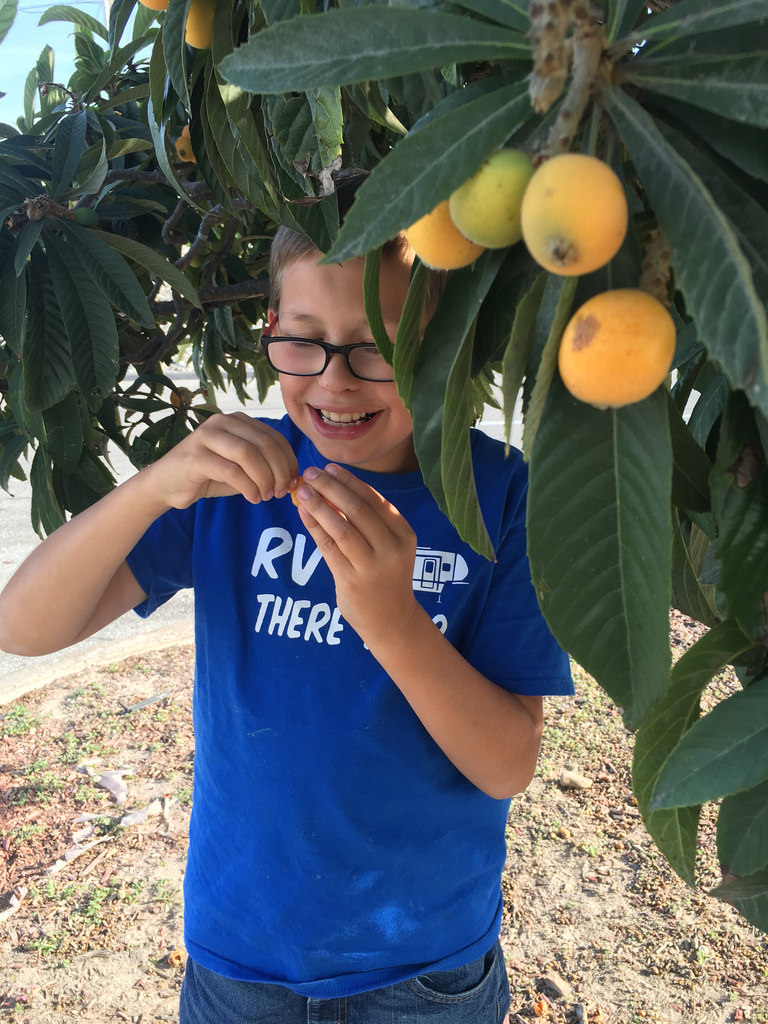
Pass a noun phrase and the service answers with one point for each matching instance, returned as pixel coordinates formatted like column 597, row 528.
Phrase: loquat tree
column 137, row 202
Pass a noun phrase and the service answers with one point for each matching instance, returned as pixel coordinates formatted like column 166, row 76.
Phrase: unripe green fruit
column 486, row 208
column 86, row 217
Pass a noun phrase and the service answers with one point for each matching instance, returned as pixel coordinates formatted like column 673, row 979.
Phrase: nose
column 337, row 376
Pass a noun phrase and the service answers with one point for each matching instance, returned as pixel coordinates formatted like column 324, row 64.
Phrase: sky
column 22, row 46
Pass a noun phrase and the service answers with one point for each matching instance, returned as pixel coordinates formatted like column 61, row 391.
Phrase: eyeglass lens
column 304, row 357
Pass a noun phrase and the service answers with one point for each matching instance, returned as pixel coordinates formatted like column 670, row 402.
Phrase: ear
column 271, row 321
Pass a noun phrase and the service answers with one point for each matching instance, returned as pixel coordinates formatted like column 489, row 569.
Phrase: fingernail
column 311, row 473
column 332, row 468
column 305, row 493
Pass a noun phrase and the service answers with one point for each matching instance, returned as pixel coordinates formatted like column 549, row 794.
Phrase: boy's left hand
column 368, row 546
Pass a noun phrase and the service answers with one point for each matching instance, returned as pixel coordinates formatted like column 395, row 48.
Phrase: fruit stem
column 588, row 45
column 551, row 52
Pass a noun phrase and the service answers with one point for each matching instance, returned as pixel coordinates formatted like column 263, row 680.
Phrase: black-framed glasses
column 306, row 357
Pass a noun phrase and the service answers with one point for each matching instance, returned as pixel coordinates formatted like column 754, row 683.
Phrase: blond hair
column 289, row 246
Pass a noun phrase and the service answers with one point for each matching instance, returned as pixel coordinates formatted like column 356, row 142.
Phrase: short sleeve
column 162, row 559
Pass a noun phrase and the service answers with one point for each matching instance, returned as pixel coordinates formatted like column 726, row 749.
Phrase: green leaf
column 89, row 481
column 13, row 445
column 503, row 11
column 64, row 432
column 69, row 148
column 721, row 754
column 740, row 507
column 110, row 271
column 733, row 86
column 691, row 466
column 409, row 333
column 328, row 121
column 46, row 512
column 749, row 895
column 158, row 78
column 741, row 144
column 674, row 830
column 209, row 160
column 711, row 270
column 693, row 17
column 441, row 346
column 427, row 166
column 748, row 218
column 45, row 353
column 13, row 184
column 93, row 168
column 621, row 17
column 152, row 261
column 8, row 10
column 62, row 12
column 13, row 297
column 26, row 241
column 458, row 477
column 599, row 541
column 690, row 546
column 117, row 61
column 372, row 302
column 518, row 349
column 89, row 322
column 120, row 12
column 174, row 52
column 236, row 156
column 339, row 47
column 553, row 316
column 742, row 831
column 157, row 131
column 247, row 123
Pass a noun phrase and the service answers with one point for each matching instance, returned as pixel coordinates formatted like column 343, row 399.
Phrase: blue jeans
column 475, row 994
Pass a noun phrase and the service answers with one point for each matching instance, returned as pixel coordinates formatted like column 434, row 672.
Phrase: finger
column 334, row 557
column 263, row 455
column 369, row 511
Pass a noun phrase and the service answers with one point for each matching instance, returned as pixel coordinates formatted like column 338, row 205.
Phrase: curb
column 35, row 676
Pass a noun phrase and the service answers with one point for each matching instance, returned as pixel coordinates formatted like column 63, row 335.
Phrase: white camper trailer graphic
column 433, row 569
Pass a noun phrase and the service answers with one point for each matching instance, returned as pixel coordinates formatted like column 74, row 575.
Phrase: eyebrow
column 309, row 319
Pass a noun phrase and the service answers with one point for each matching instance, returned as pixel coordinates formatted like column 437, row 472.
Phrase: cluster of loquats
column 571, row 213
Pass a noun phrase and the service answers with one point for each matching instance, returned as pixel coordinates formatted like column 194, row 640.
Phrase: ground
column 596, row 930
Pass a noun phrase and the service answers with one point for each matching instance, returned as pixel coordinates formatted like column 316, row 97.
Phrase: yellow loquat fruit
column 574, row 214
column 183, row 146
column 486, row 208
column 438, row 242
column 198, row 31
column 617, row 348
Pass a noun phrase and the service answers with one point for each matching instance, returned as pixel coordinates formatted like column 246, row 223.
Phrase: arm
column 77, row 580
column 492, row 736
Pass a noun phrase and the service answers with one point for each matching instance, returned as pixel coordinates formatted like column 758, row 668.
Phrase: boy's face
column 325, row 303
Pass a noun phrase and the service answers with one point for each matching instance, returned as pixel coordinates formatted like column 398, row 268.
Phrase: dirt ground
column 95, row 792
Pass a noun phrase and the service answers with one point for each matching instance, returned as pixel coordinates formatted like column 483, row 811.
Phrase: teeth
column 345, row 417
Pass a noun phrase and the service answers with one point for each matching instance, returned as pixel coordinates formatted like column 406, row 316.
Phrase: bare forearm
column 54, row 595
column 491, row 735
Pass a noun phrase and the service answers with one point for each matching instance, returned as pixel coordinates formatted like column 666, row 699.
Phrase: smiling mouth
column 345, row 419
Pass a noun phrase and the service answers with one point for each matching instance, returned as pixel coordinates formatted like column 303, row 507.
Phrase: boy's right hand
column 230, row 453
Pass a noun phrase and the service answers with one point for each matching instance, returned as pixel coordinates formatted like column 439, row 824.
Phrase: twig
column 144, row 703
column 588, row 46
column 71, row 855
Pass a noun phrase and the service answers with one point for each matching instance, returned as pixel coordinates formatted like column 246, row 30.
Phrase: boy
column 367, row 691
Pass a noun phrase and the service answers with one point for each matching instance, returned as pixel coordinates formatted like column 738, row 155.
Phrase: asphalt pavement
column 170, row 625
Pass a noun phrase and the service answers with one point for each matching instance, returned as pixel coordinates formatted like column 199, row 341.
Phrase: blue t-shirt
column 334, row 848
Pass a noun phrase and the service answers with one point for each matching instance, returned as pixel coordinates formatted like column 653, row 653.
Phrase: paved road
column 168, row 626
